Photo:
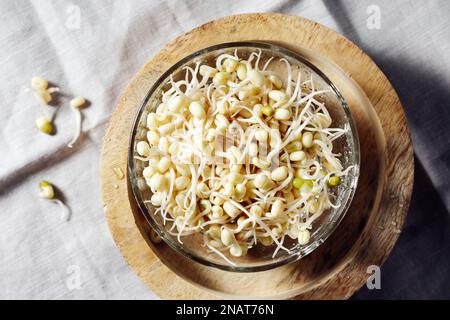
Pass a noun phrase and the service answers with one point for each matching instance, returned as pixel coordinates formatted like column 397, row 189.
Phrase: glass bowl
column 259, row 258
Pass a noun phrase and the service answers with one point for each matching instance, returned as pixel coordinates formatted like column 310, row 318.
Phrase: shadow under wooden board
column 369, row 230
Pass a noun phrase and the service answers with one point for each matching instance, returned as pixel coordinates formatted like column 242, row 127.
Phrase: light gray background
column 115, row 38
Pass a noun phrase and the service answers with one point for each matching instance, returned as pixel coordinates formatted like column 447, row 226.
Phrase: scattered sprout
column 41, row 90
column 39, row 83
column 45, row 125
column 75, row 104
column 47, row 191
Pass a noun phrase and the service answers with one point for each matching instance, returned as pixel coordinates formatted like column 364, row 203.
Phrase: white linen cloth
column 41, row 255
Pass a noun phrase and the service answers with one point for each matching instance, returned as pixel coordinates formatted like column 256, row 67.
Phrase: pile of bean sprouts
column 241, row 156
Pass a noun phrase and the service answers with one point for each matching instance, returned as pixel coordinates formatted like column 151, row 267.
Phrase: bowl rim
column 179, row 248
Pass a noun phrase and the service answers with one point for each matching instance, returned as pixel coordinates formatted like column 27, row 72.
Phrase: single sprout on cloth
column 47, row 191
column 75, row 104
column 41, row 90
column 39, row 83
column 241, row 156
column 45, row 125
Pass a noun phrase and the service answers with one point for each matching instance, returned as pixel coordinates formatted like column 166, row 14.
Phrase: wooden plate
column 372, row 225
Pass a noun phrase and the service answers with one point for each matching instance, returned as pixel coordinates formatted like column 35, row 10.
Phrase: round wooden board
column 372, row 225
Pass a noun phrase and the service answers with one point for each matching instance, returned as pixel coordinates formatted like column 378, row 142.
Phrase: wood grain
column 372, row 225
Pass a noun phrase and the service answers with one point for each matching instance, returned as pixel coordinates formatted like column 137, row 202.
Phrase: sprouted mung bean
column 47, row 191
column 272, row 178
column 41, row 90
column 75, row 104
column 45, row 125
column 43, row 94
